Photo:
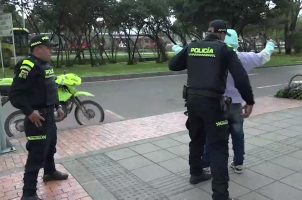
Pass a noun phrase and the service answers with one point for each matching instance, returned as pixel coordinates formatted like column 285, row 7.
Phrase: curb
column 130, row 76
column 153, row 74
column 276, row 66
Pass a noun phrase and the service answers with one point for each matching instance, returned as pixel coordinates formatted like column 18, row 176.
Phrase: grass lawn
column 106, row 70
column 147, row 67
column 282, row 59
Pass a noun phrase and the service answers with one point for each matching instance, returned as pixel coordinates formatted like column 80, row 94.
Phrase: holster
column 185, row 93
column 226, row 103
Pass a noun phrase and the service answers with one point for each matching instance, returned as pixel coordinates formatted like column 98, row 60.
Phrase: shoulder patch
column 23, row 74
column 26, row 66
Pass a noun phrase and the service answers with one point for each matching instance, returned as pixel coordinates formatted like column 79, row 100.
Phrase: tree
column 9, row 6
column 237, row 13
column 159, row 12
column 128, row 20
column 290, row 10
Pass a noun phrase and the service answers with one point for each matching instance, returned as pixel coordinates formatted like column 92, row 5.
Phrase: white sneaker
column 237, row 168
column 207, row 170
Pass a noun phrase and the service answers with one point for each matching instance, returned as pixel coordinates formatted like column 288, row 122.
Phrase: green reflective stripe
column 222, row 123
column 28, row 62
column 25, row 67
column 45, row 38
column 36, row 137
column 202, row 55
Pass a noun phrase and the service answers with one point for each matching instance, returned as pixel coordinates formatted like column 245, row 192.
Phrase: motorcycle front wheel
column 14, row 124
column 89, row 113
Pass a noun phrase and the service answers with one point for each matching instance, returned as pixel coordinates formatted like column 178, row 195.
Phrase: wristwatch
column 59, row 106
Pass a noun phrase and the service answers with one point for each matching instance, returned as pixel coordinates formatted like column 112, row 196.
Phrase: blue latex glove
column 269, row 47
column 176, row 48
column 232, row 39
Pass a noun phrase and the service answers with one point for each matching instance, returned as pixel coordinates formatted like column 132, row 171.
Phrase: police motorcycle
column 86, row 111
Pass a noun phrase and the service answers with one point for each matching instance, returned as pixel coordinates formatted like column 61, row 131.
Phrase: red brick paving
column 86, row 139
column 11, row 188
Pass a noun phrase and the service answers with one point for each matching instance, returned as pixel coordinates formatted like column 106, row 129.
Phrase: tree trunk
column 89, row 47
column 162, row 51
column 287, row 39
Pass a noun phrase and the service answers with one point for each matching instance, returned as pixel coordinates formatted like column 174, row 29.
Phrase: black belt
column 44, row 109
column 205, row 93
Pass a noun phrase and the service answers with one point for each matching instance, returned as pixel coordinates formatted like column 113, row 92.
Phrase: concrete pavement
column 146, row 158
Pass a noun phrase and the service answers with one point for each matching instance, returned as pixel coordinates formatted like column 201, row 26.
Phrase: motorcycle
column 85, row 110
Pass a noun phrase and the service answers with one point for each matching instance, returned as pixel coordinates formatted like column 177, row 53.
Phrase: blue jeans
column 236, row 130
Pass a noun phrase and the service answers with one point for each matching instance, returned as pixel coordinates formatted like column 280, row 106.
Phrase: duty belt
column 205, row 93
column 46, row 110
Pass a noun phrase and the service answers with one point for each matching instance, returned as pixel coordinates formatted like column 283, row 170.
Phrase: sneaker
column 30, row 198
column 237, row 168
column 56, row 176
column 200, row 178
column 206, row 170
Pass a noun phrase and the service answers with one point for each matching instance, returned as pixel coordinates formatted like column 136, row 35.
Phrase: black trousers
column 206, row 122
column 41, row 147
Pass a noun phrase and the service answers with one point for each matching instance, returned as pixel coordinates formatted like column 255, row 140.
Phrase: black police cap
column 218, row 26
column 40, row 40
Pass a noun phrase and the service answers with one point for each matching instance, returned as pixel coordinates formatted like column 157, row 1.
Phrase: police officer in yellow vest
column 34, row 91
column 207, row 63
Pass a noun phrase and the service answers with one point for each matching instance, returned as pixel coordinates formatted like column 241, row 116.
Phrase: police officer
column 207, row 63
column 34, row 91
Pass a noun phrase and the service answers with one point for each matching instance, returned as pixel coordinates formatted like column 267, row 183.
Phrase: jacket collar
column 211, row 37
column 37, row 59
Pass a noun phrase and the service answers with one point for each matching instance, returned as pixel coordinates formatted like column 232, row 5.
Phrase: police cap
column 218, row 26
column 40, row 40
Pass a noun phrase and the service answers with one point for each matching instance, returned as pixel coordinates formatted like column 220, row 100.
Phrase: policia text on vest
column 203, row 52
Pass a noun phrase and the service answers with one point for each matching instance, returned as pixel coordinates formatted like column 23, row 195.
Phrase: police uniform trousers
column 41, row 147
column 207, row 122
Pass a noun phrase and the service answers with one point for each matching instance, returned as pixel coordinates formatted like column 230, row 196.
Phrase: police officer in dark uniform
column 207, row 63
column 34, row 91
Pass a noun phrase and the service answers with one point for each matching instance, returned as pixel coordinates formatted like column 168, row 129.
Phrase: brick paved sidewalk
column 11, row 188
column 86, row 140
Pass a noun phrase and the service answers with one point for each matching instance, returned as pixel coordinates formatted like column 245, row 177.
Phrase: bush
column 294, row 91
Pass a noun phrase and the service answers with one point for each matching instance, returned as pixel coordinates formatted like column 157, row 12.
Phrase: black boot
column 200, row 178
column 56, row 176
column 30, row 198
